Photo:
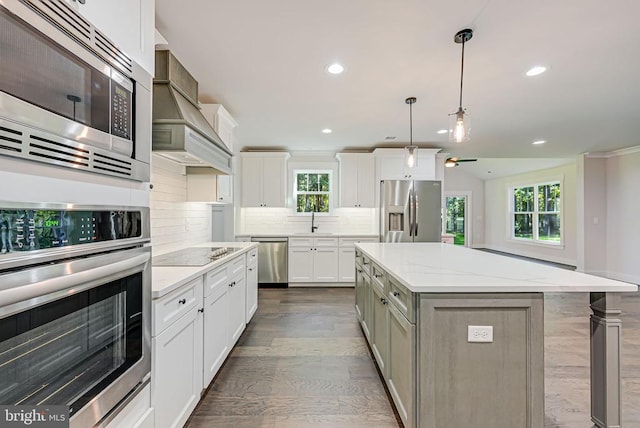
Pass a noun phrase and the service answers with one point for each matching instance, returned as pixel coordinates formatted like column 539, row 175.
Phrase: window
column 536, row 213
column 312, row 191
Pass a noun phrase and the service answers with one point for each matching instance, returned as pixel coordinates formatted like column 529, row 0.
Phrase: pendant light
column 411, row 151
column 460, row 123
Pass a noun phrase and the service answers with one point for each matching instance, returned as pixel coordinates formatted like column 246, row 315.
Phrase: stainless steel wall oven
column 74, row 307
column 68, row 95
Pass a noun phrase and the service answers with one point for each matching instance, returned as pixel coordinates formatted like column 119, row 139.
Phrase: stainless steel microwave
column 68, row 95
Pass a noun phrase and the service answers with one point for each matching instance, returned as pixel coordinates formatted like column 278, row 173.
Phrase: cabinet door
column 380, row 334
column 359, row 290
column 237, row 309
column 216, row 344
column 177, row 375
column 252, row 182
column 225, row 188
column 348, row 181
column 300, row 264
column 325, row 264
column 347, row 264
column 273, row 181
column 366, row 181
column 367, row 316
column 402, row 365
column 252, row 291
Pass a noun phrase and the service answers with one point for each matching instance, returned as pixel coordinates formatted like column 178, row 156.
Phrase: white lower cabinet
column 216, row 343
column 176, row 375
column 346, row 259
column 194, row 329
column 313, row 259
column 252, row 284
column 300, row 263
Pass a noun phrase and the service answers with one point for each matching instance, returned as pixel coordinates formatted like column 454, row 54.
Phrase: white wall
column 175, row 223
column 497, row 220
column 457, row 180
column 623, row 211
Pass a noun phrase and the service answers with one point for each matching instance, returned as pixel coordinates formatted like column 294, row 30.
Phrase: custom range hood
column 180, row 131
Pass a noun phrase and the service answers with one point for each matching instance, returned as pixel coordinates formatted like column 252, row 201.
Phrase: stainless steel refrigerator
column 410, row 211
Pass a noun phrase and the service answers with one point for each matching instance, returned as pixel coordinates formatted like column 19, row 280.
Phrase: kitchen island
column 458, row 333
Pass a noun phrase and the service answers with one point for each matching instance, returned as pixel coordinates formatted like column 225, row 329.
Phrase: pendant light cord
column 411, row 124
column 461, row 72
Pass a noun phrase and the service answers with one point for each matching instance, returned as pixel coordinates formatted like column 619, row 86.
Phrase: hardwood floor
column 303, row 362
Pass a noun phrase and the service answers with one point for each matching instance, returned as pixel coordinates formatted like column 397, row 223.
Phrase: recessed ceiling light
column 536, row 143
column 335, row 68
column 442, row 131
column 534, row 71
column 326, row 131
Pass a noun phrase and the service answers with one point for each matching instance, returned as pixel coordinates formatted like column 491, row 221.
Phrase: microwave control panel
column 34, row 229
column 120, row 111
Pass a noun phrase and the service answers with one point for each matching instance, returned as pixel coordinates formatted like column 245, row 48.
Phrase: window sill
column 542, row 244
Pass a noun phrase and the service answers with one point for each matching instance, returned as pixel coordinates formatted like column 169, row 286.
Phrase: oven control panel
column 36, row 229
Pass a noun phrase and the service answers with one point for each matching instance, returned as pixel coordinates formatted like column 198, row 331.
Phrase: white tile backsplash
column 175, row 223
column 284, row 220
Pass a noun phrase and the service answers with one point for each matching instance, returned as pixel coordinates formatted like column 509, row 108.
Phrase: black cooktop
column 195, row 256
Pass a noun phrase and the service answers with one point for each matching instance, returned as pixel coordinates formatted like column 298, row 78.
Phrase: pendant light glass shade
column 459, row 122
column 459, row 126
column 410, row 151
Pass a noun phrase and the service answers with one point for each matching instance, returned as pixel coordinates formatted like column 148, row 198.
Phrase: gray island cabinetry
column 458, row 334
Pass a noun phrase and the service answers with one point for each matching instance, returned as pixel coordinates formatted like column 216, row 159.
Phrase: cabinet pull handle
column 378, row 275
column 182, row 301
column 384, row 301
column 201, row 310
column 395, row 293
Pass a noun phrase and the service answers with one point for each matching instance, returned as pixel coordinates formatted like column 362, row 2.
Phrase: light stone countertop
column 307, row 234
column 446, row 268
column 165, row 279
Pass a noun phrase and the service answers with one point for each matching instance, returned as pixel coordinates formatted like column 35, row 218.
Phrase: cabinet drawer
column 216, row 278
column 358, row 258
column 325, row 242
column 403, row 299
column 366, row 264
column 378, row 278
column 349, row 242
column 236, row 266
column 171, row 307
column 252, row 257
column 301, row 242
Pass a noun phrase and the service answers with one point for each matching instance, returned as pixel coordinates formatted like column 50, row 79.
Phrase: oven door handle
column 40, row 292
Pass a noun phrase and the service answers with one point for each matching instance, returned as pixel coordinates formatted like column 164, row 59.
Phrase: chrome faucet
column 313, row 219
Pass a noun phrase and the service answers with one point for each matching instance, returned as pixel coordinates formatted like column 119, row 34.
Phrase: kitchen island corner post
column 606, row 332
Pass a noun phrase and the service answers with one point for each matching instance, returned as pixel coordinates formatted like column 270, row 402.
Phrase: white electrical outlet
column 480, row 333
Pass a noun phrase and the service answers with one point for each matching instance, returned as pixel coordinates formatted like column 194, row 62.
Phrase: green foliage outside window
column 312, row 192
column 536, row 212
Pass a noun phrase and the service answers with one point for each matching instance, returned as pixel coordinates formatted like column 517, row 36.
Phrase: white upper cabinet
column 130, row 24
column 390, row 165
column 223, row 123
column 357, row 180
column 264, row 179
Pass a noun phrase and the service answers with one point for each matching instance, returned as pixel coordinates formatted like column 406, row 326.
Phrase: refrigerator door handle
column 415, row 214
column 410, row 213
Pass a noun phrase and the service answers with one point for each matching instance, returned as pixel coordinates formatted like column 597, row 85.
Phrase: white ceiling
column 264, row 61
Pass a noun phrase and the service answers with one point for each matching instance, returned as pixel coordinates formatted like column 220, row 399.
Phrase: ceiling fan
column 451, row 162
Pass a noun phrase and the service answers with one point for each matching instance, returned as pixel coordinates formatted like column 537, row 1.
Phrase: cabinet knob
column 220, row 198
column 250, row 269
column 396, row 294
column 182, row 301
column 201, row 310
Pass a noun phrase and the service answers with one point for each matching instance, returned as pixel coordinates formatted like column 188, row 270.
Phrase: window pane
column 301, row 203
column 549, row 227
column 549, row 197
column 302, row 182
column 523, row 226
column 322, row 204
column 323, row 182
column 313, row 182
column 523, row 199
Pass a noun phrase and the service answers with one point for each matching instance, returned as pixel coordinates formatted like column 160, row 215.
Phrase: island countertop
column 444, row 268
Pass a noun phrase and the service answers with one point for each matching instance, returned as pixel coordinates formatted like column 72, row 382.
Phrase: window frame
column 535, row 239
column 329, row 193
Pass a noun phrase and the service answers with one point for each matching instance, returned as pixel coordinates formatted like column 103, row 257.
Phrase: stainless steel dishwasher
column 272, row 261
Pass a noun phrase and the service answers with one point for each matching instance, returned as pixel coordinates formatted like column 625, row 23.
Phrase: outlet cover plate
column 480, row 333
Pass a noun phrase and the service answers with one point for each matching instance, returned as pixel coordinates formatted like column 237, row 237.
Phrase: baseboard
column 321, row 284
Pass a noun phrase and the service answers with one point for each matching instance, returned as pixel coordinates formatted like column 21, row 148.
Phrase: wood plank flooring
column 303, row 362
